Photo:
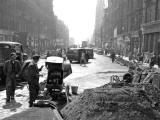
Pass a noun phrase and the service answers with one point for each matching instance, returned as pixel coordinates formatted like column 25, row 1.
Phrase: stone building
column 122, row 25
column 30, row 22
column 97, row 37
column 151, row 26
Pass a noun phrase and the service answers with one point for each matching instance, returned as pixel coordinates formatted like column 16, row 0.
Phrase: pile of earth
column 34, row 114
column 133, row 102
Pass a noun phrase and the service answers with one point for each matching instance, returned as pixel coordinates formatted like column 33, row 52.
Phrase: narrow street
column 97, row 73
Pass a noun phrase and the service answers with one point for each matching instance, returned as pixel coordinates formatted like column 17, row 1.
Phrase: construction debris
column 133, row 102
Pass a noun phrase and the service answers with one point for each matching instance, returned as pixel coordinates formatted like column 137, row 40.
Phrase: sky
column 78, row 15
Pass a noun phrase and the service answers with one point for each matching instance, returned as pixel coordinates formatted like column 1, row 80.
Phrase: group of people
column 62, row 53
column 12, row 70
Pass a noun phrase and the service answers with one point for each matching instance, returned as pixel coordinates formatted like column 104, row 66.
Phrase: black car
column 100, row 51
column 90, row 53
column 74, row 54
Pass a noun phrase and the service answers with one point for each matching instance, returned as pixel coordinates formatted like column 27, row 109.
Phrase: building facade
column 30, row 22
column 151, row 26
column 97, row 37
column 122, row 25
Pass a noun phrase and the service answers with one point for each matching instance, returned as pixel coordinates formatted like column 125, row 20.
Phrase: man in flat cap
column 11, row 70
column 33, row 79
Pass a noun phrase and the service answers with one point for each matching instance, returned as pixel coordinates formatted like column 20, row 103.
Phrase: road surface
column 97, row 73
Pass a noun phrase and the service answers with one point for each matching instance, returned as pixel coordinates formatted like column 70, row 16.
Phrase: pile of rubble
column 122, row 61
column 138, row 100
column 132, row 102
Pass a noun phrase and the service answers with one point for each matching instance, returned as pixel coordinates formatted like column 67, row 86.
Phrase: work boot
column 7, row 101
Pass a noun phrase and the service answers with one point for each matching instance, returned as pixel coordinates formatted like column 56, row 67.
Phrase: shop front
column 151, row 33
column 6, row 35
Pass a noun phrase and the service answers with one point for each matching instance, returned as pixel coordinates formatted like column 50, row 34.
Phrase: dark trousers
column 10, row 88
column 83, row 61
column 113, row 59
column 33, row 92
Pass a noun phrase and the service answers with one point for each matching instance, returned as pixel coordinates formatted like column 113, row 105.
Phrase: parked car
column 6, row 48
column 95, row 50
column 74, row 54
column 100, row 51
column 90, row 53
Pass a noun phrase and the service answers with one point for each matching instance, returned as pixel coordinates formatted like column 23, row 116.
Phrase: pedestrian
column 33, row 79
column 59, row 52
column 64, row 55
column 152, row 61
column 140, row 57
column 106, row 51
column 48, row 54
column 158, row 60
column 12, row 69
column 83, row 59
column 113, row 56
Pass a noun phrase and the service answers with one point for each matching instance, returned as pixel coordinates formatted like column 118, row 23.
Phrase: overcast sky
column 78, row 15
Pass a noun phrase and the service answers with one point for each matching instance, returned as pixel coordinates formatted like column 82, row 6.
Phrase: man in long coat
column 11, row 70
column 33, row 79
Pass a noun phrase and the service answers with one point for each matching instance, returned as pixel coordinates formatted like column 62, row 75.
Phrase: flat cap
column 36, row 56
column 13, row 53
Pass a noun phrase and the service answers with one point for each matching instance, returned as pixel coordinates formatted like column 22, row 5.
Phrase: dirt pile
column 134, row 102
column 34, row 114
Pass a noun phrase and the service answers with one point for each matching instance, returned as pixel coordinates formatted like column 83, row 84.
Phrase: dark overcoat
column 9, row 73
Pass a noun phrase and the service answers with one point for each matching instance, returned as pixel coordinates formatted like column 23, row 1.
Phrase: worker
column 33, row 79
column 12, row 69
column 83, row 59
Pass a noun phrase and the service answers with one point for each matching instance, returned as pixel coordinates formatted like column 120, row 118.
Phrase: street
column 97, row 73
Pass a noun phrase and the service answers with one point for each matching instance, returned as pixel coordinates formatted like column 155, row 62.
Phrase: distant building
column 71, row 41
column 62, row 35
column 84, row 44
column 97, row 38
column 122, row 26
column 30, row 22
